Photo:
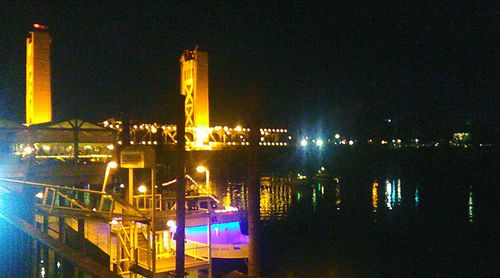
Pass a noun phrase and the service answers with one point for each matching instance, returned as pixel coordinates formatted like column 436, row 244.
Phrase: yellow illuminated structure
column 38, row 88
column 194, row 85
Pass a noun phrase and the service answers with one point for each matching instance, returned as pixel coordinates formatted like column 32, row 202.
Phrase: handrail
column 55, row 186
column 103, row 203
column 76, row 257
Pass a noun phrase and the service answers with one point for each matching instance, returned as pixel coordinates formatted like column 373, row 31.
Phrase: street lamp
column 201, row 169
column 111, row 165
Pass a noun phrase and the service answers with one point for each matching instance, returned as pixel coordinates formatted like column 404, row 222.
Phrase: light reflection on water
column 470, row 210
column 375, row 195
column 279, row 194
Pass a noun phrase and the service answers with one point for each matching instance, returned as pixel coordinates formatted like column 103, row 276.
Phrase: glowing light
column 28, row 150
column 39, row 195
column 171, row 224
column 201, row 169
column 112, row 164
column 40, row 26
column 46, row 148
column 202, row 134
column 142, row 188
column 122, row 185
column 319, row 142
column 237, row 128
column 110, row 147
column 337, row 136
column 226, row 209
column 303, row 142
column 351, row 142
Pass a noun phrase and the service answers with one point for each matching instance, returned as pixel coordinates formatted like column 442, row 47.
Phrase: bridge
column 74, row 229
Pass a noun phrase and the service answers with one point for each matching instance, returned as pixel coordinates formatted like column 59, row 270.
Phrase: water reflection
column 392, row 194
column 388, row 194
column 398, row 191
column 275, row 198
column 314, row 198
column 470, row 211
column 279, row 194
column 375, row 195
column 338, row 195
column 417, row 196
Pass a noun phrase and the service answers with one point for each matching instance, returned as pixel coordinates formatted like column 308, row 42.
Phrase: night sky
column 430, row 67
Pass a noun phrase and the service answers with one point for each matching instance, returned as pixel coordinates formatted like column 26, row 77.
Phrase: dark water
column 430, row 214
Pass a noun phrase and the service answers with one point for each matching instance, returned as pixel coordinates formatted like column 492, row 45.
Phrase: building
column 38, row 85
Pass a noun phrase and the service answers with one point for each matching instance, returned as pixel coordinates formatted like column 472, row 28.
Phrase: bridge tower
column 194, row 85
column 38, row 87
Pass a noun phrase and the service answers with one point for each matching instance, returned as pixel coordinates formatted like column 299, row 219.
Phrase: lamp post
column 201, row 169
column 111, row 165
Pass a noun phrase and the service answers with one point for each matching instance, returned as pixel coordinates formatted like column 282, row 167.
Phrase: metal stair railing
column 68, row 201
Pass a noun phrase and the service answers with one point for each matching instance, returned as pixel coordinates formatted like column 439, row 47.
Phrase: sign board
column 137, row 157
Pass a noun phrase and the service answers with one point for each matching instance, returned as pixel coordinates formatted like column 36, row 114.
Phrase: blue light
column 221, row 226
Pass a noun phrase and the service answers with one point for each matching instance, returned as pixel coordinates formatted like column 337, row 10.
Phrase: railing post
column 53, row 201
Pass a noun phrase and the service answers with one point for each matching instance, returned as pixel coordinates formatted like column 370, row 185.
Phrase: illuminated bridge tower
column 38, row 88
column 194, row 85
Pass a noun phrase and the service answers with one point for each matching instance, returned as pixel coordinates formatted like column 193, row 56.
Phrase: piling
column 180, row 210
column 254, row 185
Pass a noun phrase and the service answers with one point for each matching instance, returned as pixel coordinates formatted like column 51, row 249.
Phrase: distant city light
column 142, row 189
column 319, row 142
column 303, row 143
column 351, row 142
column 337, row 136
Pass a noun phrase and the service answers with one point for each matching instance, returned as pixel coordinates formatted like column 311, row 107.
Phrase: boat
column 227, row 226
